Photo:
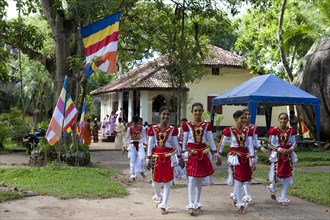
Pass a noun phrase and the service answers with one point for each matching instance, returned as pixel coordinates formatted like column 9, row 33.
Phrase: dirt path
column 138, row 205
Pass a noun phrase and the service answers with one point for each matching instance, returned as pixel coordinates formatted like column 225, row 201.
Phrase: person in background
column 104, row 124
column 253, row 129
column 146, row 126
column 119, row 114
column 135, row 143
column 282, row 140
column 198, row 165
column 96, row 128
column 86, row 132
column 241, row 155
column 112, row 121
column 120, row 129
column 293, row 120
column 141, row 121
column 162, row 157
column 180, row 171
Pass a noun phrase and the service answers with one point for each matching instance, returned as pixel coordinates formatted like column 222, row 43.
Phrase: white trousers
column 137, row 159
column 163, row 197
column 194, row 192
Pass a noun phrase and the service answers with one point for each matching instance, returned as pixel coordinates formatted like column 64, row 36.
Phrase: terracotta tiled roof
column 220, row 57
column 149, row 76
column 153, row 76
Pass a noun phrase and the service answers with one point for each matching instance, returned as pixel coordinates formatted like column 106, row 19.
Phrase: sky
column 11, row 9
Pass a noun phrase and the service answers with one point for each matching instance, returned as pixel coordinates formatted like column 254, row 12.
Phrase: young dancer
column 241, row 154
column 163, row 147
column 253, row 129
column 198, row 166
column 136, row 140
column 179, row 172
column 283, row 142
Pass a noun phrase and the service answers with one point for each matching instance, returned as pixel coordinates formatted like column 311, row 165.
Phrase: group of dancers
column 168, row 147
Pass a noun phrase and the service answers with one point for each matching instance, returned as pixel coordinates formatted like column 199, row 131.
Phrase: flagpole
column 60, row 141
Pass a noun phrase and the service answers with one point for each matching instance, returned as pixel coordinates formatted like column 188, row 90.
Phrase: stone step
column 108, row 138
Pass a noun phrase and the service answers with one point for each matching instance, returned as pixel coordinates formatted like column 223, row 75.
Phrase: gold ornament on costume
column 161, row 137
column 283, row 138
column 240, row 136
column 198, row 134
column 136, row 133
column 241, row 139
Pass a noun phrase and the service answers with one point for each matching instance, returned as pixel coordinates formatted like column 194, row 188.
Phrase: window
column 218, row 108
column 216, row 71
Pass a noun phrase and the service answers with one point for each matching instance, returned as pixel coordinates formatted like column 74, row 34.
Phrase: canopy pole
column 212, row 115
column 252, row 106
column 318, row 123
column 268, row 114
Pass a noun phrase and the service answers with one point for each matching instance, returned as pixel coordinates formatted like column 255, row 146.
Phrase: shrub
column 15, row 124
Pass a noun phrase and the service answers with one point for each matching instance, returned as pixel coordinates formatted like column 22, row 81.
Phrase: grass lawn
column 68, row 182
column 9, row 195
column 306, row 158
column 308, row 184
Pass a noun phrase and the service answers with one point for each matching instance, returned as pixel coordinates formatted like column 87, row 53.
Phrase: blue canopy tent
column 267, row 91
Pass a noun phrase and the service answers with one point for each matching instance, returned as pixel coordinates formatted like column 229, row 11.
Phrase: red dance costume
column 240, row 146
column 283, row 167
column 161, row 147
column 136, row 135
column 198, row 164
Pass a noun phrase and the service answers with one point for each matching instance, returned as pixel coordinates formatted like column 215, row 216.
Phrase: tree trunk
column 281, row 42
column 314, row 78
column 56, row 20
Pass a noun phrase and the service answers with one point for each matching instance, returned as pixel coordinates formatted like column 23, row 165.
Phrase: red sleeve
column 185, row 127
column 209, row 127
column 150, row 131
column 272, row 131
column 293, row 131
column 250, row 133
column 256, row 130
column 226, row 132
column 175, row 131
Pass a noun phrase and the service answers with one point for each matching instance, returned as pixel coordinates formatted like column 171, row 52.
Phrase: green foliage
column 306, row 158
column 69, row 182
column 312, row 186
column 9, row 195
column 206, row 116
column 309, row 185
column 12, row 125
column 99, row 79
column 5, row 130
column 38, row 89
column 304, row 23
column 43, row 125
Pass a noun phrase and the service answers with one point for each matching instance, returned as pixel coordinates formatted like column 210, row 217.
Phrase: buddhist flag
column 54, row 131
column 101, row 41
column 70, row 115
column 82, row 119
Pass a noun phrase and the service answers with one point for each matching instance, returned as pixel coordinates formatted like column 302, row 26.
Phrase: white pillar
column 120, row 100
column 111, row 102
column 130, row 105
column 102, row 107
column 144, row 108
